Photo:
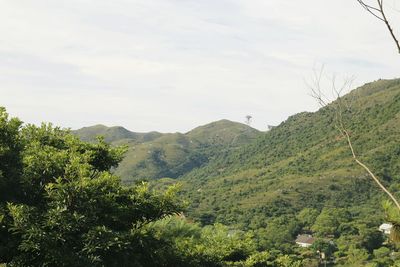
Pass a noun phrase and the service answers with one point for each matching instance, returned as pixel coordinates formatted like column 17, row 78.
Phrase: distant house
column 305, row 241
column 385, row 228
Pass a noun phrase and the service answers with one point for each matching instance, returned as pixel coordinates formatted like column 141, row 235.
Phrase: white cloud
column 170, row 65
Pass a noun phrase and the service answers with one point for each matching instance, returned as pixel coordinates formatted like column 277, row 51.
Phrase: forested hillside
column 154, row 155
column 60, row 205
column 297, row 178
column 300, row 178
column 304, row 162
column 246, row 196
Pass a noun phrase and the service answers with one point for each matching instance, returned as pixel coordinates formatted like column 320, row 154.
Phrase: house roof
column 385, row 226
column 306, row 239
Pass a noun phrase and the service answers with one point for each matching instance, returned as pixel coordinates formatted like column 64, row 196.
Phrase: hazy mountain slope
column 113, row 134
column 223, row 132
column 303, row 162
column 154, row 155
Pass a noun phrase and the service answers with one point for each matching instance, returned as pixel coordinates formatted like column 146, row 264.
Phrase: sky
column 172, row 65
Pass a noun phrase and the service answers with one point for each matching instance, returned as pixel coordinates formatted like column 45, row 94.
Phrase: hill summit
column 157, row 155
column 304, row 162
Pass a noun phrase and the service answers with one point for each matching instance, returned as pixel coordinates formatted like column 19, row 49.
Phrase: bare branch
column 338, row 108
column 378, row 12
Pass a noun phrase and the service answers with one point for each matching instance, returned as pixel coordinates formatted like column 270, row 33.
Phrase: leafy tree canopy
column 61, row 206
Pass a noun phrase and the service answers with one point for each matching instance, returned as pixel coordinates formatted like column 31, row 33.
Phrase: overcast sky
column 171, row 65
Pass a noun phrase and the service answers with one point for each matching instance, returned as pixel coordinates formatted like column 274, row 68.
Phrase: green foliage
column 228, row 245
column 266, row 259
column 371, row 239
column 324, row 246
column 113, row 134
column 393, row 216
column 357, row 257
column 260, row 259
column 304, row 163
column 214, row 244
column 154, row 155
column 329, row 220
column 70, row 210
column 217, row 245
column 287, row 261
column 10, row 158
column 278, row 234
column 307, row 217
column 381, row 252
column 62, row 204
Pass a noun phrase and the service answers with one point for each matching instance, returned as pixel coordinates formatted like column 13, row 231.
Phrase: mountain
column 156, row 155
column 297, row 178
column 234, row 174
column 304, row 162
column 223, row 132
column 113, row 134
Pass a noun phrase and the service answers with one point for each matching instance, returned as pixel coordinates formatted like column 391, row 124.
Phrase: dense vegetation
column 249, row 193
column 302, row 166
column 154, row 155
column 61, row 206
column 304, row 162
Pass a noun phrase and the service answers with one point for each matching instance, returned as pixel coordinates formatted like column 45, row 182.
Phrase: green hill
column 234, row 174
column 113, row 134
column 154, row 155
column 298, row 178
column 223, row 132
column 304, row 162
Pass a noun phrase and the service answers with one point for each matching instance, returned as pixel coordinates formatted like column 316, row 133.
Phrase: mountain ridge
column 155, row 155
column 303, row 162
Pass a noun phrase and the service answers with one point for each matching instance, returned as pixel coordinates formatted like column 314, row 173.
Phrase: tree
column 307, row 217
column 382, row 256
column 10, row 157
column 341, row 110
column 328, row 221
column 392, row 213
column 324, row 246
column 248, row 119
column 65, row 208
column 378, row 11
column 356, row 257
column 213, row 245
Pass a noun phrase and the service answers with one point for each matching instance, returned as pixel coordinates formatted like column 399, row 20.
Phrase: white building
column 385, row 228
column 305, row 241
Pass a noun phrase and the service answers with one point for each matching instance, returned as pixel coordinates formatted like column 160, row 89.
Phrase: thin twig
column 339, row 124
column 379, row 13
column 389, row 27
